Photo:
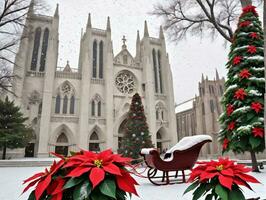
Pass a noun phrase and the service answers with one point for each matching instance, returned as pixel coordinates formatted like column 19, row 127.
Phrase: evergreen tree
column 13, row 132
column 137, row 132
column 242, row 123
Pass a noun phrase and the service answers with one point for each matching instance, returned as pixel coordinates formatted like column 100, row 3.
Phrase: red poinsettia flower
column 97, row 165
column 258, row 132
column 252, row 49
column 250, row 8
column 229, row 109
column 256, row 106
column 237, row 60
column 254, row 35
column 225, row 143
column 240, row 94
column 244, row 73
column 55, row 189
column 244, row 23
column 227, row 172
column 42, row 179
column 231, row 126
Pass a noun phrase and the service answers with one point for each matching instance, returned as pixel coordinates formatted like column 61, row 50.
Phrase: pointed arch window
column 35, row 52
column 62, row 138
column 72, row 105
column 155, row 70
column 99, row 108
column 57, row 104
column 94, row 62
column 44, row 49
column 65, row 102
column 101, row 60
column 94, row 143
column 160, row 71
column 92, row 108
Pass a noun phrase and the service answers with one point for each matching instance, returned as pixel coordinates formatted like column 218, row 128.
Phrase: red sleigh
column 181, row 157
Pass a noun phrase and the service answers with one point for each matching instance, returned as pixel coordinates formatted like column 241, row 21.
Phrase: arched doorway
column 121, row 132
column 94, row 143
column 159, row 142
column 62, row 145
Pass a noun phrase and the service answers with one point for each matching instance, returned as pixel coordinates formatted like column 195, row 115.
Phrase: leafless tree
column 199, row 17
column 12, row 21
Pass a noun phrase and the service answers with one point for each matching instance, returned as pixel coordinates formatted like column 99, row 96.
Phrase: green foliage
column 137, row 133
column 241, row 137
column 13, row 132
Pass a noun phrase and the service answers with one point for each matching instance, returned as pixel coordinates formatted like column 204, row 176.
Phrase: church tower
column 34, row 70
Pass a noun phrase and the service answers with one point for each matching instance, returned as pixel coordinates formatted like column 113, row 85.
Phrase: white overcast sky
column 188, row 58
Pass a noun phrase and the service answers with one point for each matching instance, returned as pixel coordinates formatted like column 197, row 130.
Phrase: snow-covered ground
column 11, row 186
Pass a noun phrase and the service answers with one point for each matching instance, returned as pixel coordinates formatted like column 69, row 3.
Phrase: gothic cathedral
column 86, row 107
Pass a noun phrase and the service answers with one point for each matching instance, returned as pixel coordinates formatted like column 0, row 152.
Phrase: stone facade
column 201, row 116
column 86, row 107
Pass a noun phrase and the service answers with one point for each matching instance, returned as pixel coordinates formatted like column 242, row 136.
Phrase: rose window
column 125, row 82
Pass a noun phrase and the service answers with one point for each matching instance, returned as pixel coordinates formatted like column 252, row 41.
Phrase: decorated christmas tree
column 242, row 123
column 137, row 132
column 13, row 132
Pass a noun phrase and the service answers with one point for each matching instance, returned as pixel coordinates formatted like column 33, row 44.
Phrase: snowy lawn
column 11, row 186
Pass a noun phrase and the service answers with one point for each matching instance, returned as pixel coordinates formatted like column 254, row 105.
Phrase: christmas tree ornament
column 237, row 60
column 229, row 109
column 258, row 132
column 244, row 73
column 256, row 106
column 240, row 94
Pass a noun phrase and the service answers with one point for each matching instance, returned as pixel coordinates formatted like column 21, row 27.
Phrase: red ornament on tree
column 245, row 73
column 250, row 8
column 229, row 109
column 254, row 35
column 225, row 143
column 256, row 106
column 240, row 94
column 252, row 49
column 258, row 132
column 244, row 23
column 231, row 126
column 237, row 60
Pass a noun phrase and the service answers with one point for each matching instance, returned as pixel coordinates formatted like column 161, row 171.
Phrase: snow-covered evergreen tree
column 242, row 123
column 137, row 132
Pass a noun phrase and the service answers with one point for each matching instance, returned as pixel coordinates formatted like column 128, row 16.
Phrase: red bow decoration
column 244, row 23
column 256, row 106
column 254, row 35
column 240, row 94
column 229, row 109
column 258, row 132
column 252, row 49
column 237, row 60
column 231, row 126
column 245, row 73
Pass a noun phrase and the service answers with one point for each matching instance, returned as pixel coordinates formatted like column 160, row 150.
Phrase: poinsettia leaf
column 96, row 196
column 255, row 142
column 209, row 197
column 199, row 191
column 32, row 196
column 236, row 194
column 222, row 192
column 120, row 194
column 82, row 191
column 191, row 187
column 108, row 188
column 72, row 182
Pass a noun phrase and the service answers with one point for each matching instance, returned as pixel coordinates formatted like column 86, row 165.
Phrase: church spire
column 138, row 47
column 108, row 27
column 202, row 78
column 161, row 33
column 89, row 21
column 146, row 32
column 31, row 7
column 217, row 75
column 56, row 13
